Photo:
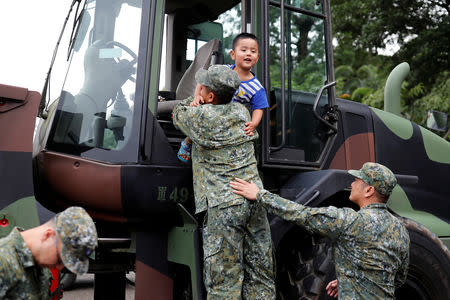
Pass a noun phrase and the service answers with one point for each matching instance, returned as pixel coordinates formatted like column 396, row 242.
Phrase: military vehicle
column 106, row 142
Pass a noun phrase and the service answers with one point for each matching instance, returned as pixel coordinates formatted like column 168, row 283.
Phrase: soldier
column 370, row 247
column 238, row 261
column 67, row 240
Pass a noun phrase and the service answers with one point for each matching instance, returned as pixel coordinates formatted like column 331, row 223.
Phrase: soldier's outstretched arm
column 327, row 221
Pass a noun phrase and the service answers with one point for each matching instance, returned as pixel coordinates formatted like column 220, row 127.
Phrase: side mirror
column 437, row 120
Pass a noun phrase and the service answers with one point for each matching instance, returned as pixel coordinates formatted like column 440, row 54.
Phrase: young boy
column 245, row 53
column 238, row 262
column 251, row 93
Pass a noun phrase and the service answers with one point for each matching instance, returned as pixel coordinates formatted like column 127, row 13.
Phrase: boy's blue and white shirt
column 251, row 93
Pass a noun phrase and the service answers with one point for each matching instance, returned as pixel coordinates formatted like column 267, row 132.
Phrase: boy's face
column 245, row 53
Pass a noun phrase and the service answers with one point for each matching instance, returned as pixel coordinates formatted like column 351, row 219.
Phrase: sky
column 29, row 30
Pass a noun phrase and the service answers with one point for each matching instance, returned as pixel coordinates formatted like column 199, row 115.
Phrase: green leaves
column 421, row 31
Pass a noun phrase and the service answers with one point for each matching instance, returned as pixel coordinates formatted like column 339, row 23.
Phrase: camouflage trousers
column 238, row 257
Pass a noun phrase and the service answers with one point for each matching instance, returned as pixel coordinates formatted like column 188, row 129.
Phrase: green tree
column 365, row 79
column 437, row 99
column 304, row 52
column 421, row 29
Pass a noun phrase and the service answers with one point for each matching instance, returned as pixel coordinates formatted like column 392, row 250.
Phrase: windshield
column 96, row 106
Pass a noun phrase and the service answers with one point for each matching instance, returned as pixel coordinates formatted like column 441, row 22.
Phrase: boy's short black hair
column 244, row 35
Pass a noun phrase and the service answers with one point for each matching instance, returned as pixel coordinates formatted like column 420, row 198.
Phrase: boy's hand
column 249, row 128
column 245, row 189
column 198, row 100
column 332, row 288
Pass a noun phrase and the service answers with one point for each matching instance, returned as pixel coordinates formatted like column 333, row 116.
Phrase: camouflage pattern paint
column 354, row 152
column 18, row 108
column 407, row 154
column 401, row 127
column 21, row 212
column 183, row 248
column 437, row 148
column 64, row 179
column 399, row 202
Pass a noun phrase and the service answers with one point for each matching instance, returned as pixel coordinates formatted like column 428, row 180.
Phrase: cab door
column 297, row 66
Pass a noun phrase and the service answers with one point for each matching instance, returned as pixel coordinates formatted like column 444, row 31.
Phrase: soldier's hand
column 246, row 189
column 198, row 100
column 332, row 288
column 249, row 128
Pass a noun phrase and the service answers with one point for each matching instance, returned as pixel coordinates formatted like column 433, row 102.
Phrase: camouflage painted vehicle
column 107, row 143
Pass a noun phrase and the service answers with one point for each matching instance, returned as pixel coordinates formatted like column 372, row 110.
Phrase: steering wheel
column 128, row 68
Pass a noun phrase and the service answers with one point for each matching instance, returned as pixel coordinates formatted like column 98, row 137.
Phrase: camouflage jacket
column 20, row 277
column 370, row 247
column 221, row 150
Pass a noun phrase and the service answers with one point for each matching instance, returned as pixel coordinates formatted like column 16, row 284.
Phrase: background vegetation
column 420, row 30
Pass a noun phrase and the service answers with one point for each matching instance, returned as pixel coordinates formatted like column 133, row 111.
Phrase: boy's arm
column 259, row 102
column 251, row 126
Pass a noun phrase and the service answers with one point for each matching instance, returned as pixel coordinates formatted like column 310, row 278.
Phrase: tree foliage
column 421, row 30
column 304, row 48
column 437, row 99
column 420, row 27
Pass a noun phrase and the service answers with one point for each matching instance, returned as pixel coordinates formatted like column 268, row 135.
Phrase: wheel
column 304, row 266
column 429, row 266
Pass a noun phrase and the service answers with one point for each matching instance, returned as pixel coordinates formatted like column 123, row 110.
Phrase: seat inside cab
column 194, row 37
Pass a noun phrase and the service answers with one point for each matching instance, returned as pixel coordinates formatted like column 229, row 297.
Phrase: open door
column 297, row 64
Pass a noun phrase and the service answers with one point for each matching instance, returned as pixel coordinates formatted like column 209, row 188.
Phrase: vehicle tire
column 304, row 266
column 429, row 266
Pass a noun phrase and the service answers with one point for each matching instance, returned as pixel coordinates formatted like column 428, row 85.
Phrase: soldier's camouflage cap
column 220, row 78
column 78, row 236
column 378, row 176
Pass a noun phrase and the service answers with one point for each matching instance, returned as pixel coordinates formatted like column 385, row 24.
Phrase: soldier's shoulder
column 6, row 246
column 239, row 109
column 10, row 269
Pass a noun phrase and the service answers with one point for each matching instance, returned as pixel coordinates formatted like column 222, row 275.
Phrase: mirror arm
column 316, row 103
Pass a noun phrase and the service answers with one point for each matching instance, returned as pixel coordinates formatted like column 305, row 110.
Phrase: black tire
column 304, row 266
column 429, row 266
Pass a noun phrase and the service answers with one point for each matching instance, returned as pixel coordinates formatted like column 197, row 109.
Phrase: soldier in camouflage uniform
column 370, row 247
column 25, row 256
column 238, row 261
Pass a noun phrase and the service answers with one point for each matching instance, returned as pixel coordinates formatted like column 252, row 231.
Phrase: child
column 238, row 261
column 245, row 53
